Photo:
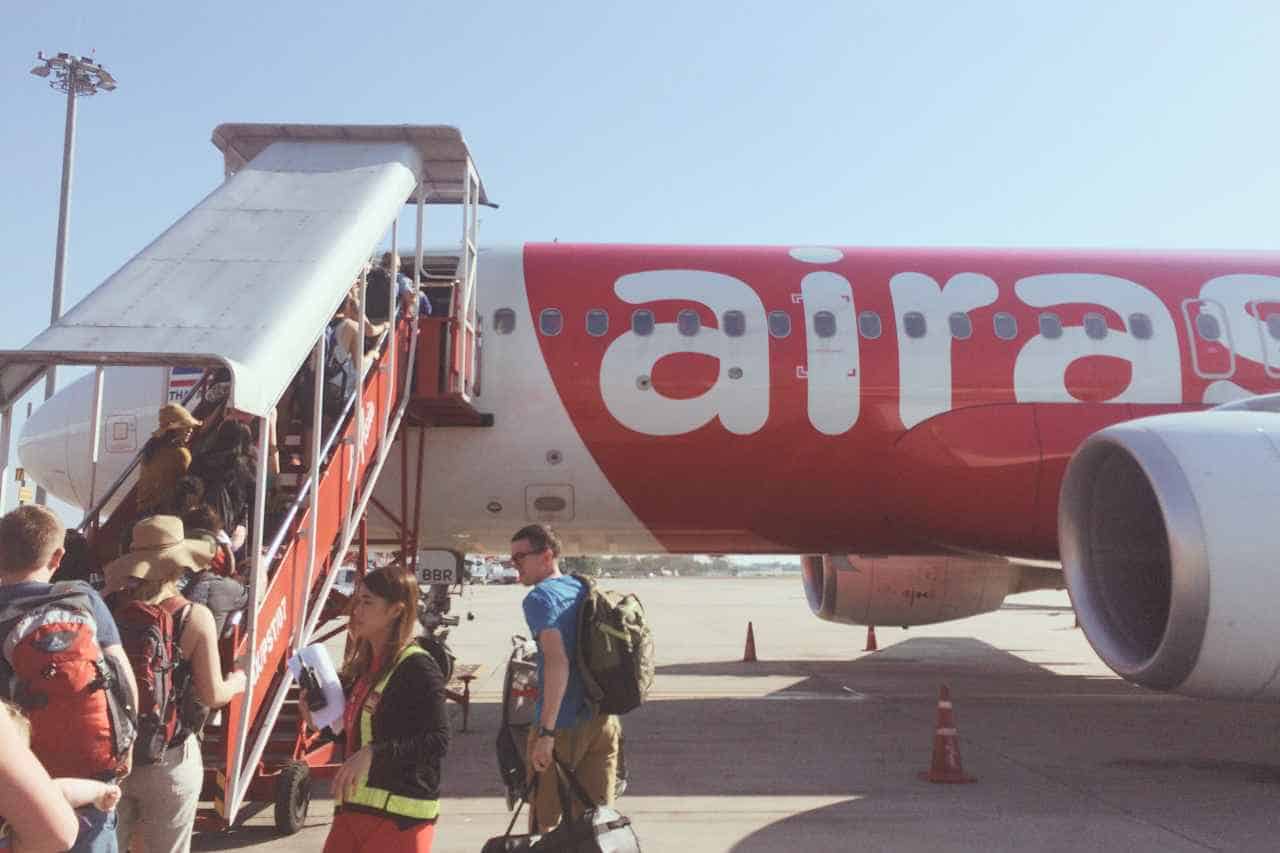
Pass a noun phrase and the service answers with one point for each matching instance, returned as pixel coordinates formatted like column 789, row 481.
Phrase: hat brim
column 167, row 563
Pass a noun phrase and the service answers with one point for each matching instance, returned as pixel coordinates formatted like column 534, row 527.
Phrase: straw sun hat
column 160, row 552
column 174, row 416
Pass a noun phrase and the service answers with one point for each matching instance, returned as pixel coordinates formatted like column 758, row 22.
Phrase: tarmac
column 818, row 745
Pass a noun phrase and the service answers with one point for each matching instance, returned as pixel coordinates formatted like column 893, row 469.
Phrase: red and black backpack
column 77, row 699
column 150, row 634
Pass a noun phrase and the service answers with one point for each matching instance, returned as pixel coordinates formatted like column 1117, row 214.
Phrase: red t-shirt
column 220, row 566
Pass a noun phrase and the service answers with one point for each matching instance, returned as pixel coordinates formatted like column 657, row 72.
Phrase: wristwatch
column 543, row 731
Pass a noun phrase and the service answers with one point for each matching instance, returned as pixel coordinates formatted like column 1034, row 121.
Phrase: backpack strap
column 179, row 610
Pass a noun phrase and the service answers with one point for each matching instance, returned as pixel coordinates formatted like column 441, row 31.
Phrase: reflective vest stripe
column 379, row 798
column 385, row 801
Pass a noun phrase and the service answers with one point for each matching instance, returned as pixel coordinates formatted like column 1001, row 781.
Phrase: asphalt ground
column 818, row 745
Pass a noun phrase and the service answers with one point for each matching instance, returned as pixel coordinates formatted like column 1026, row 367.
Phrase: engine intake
column 1169, row 539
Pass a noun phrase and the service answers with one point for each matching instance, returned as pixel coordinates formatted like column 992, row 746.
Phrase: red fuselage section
column 880, row 400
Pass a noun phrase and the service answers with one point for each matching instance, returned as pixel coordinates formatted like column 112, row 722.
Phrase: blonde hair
column 28, row 537
column 19, row 720
column 152, row 590
column 394, row 585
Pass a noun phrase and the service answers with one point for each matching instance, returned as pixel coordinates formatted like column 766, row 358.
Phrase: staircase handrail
column 299, row 500
column 97, row 508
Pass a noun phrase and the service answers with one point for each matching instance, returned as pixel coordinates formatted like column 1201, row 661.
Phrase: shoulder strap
column 173, row 604
column 563, row 773
column 179, row 610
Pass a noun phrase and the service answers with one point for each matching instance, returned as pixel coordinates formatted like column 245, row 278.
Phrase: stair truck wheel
column 293, row 797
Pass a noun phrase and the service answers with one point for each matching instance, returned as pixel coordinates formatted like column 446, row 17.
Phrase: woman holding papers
column 396, row 729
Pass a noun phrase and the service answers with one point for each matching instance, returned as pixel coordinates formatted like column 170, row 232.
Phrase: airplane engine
column 905, row 591
column 1169, row 531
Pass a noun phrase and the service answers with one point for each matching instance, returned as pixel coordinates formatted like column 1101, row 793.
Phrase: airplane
column 905, row 417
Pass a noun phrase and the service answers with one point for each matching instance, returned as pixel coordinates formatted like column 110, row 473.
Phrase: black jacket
column 229, row 483
column 410, row 732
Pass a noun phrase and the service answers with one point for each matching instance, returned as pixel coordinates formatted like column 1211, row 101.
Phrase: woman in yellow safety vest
column 396, row 728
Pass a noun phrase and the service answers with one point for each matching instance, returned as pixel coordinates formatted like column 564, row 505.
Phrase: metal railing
column 296, row 505
column 91, row 515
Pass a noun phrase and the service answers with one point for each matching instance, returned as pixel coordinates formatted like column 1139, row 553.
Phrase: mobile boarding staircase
column 246, row 283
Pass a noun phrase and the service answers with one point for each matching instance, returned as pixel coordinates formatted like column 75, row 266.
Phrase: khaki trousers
column 159, row 801
column 590, row 750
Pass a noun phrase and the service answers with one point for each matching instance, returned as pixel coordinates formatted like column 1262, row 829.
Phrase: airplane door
column 832, row 345
column 120, row 434
column 1266, row 316
column 1212, row 353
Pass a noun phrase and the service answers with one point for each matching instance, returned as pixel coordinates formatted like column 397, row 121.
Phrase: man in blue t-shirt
column 31, row 547
column 564, row 724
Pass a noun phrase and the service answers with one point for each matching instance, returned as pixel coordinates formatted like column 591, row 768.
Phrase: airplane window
column 1095, row 326
column 913, row 324
column 869, row 325
column 1006, row 326
column 504, row 321
column 779, row 324
column 1140, row 326
column 1208, row 327
column 961, row 327
column 734, row 323
column 597, row 322
column 1273, row 326
column 1050, row 326
column 824, row 324
column 688, row 323
column 642, row 322
column 550, row 321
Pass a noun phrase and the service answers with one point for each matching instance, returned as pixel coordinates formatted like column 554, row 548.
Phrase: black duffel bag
column 599, row 829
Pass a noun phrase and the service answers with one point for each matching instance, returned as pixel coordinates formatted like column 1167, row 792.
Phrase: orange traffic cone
column 749, row 653
column 871, row 640
column 946, row 751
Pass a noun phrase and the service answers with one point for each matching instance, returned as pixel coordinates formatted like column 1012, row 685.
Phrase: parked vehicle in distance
column 498, row 573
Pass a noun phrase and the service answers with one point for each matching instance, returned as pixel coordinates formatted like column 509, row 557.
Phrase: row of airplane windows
column 914, row 324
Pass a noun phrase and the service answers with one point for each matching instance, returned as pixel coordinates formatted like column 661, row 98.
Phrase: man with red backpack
column 61, row 661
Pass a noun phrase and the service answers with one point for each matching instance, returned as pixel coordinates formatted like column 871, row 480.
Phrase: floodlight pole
column 64, row 223
column 75, row 76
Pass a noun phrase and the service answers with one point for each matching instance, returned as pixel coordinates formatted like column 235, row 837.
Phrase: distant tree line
column 666, row 565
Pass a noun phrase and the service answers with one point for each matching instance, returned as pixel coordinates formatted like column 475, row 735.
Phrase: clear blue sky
column 1094, row 124
column 1143, row 124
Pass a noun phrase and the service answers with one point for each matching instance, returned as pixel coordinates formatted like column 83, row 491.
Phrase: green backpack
column 615, row 649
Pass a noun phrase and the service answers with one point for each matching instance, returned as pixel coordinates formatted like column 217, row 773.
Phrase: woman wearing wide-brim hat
column 159, row 802
column 165, row 460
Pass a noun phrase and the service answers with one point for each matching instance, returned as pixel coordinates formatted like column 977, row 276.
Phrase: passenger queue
column 106, row 691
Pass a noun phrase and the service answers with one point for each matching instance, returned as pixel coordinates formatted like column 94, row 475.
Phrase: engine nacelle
column 907, row 591
column 1169, row 532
